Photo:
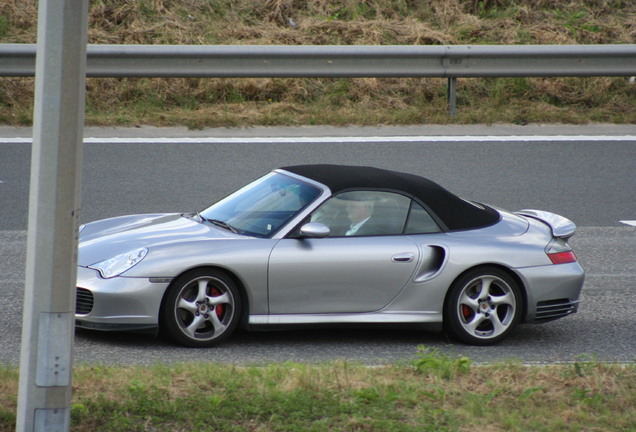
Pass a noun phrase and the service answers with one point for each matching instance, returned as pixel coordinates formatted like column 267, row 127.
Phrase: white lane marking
column 344, row 139
column 15, row 140
column 629, row 222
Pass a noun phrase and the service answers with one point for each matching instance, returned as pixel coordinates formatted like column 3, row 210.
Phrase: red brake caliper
column 466, row 312
column 215, row 292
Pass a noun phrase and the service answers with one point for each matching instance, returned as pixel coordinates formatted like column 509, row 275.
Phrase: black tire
column 201, row 308
column 483, row 306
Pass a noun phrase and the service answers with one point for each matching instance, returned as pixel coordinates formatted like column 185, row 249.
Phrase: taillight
column 560, row 252
column 562, row 257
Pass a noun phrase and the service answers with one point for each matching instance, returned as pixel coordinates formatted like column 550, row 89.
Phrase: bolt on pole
column 44, row 396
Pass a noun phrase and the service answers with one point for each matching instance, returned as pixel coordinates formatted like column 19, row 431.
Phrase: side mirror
column 314, row 230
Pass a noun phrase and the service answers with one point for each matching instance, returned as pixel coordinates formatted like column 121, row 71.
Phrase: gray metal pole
column 44, row 397
column 452, row 96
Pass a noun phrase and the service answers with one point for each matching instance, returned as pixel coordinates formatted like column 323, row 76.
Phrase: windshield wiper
column 216, row 222
column 194, row 216
column 221, row 224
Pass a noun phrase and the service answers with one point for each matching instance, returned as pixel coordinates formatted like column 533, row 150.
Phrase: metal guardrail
column 242, row 61
column 330, row 61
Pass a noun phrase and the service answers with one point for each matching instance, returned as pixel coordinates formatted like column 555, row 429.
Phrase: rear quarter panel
column 512, row 243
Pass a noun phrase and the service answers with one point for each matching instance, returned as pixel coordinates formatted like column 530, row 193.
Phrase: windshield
column 263, row 206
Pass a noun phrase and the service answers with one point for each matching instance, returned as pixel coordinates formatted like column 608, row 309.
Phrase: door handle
column 403, row 257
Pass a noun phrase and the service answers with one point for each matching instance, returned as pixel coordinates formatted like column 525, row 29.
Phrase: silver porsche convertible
column 328, row 245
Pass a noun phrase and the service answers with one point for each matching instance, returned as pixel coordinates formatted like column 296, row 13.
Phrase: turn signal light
column 562, row 257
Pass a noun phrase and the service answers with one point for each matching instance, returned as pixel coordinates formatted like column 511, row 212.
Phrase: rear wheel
column 483, row 306
column 201, row 308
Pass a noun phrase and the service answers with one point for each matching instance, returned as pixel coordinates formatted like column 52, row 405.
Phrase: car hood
column 110, row 237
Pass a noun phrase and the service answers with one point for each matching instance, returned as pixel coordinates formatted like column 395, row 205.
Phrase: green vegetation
column 434, row 392
column 199, row 103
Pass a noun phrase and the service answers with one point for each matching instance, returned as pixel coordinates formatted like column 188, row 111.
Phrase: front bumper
column 552, row 291
column 119, row 303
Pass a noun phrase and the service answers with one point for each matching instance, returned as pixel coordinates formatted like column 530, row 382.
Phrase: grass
column 434, row 392
column 200, row 103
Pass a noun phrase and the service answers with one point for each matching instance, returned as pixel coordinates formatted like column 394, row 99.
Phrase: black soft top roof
column 454, row 212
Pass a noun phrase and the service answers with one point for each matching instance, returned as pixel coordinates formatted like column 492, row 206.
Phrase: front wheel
column 483, row 306
column 201, row 308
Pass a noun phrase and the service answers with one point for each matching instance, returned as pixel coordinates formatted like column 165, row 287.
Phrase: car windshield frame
column 263, row 207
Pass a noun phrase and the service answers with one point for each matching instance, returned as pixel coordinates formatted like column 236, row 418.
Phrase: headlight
column 118, row 264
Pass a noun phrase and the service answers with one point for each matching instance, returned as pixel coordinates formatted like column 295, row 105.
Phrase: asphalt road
column 591, row 182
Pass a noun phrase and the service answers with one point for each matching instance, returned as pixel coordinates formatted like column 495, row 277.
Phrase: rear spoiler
column 561, row 227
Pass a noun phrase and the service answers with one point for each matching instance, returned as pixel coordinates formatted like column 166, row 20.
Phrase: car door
column 339, row 275
column 347, row 272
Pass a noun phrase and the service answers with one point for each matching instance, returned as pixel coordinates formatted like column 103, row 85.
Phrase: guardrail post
column 452, row 96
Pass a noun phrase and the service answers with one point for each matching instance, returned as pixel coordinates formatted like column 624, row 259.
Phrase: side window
column 364, row 213
column 420, row 222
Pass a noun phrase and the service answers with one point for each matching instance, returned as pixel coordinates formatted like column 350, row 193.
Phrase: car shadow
column 345, row 336
column 369, row 345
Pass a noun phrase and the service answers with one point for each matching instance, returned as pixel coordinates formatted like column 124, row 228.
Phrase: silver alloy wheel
column 201, row 309
column 204, row 308
column 486, row 307
column 483, row 306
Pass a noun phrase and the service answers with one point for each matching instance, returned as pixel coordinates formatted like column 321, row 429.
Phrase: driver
column 359, row 211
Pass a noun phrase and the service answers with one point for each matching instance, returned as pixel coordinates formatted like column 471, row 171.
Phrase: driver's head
column 359, row 207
